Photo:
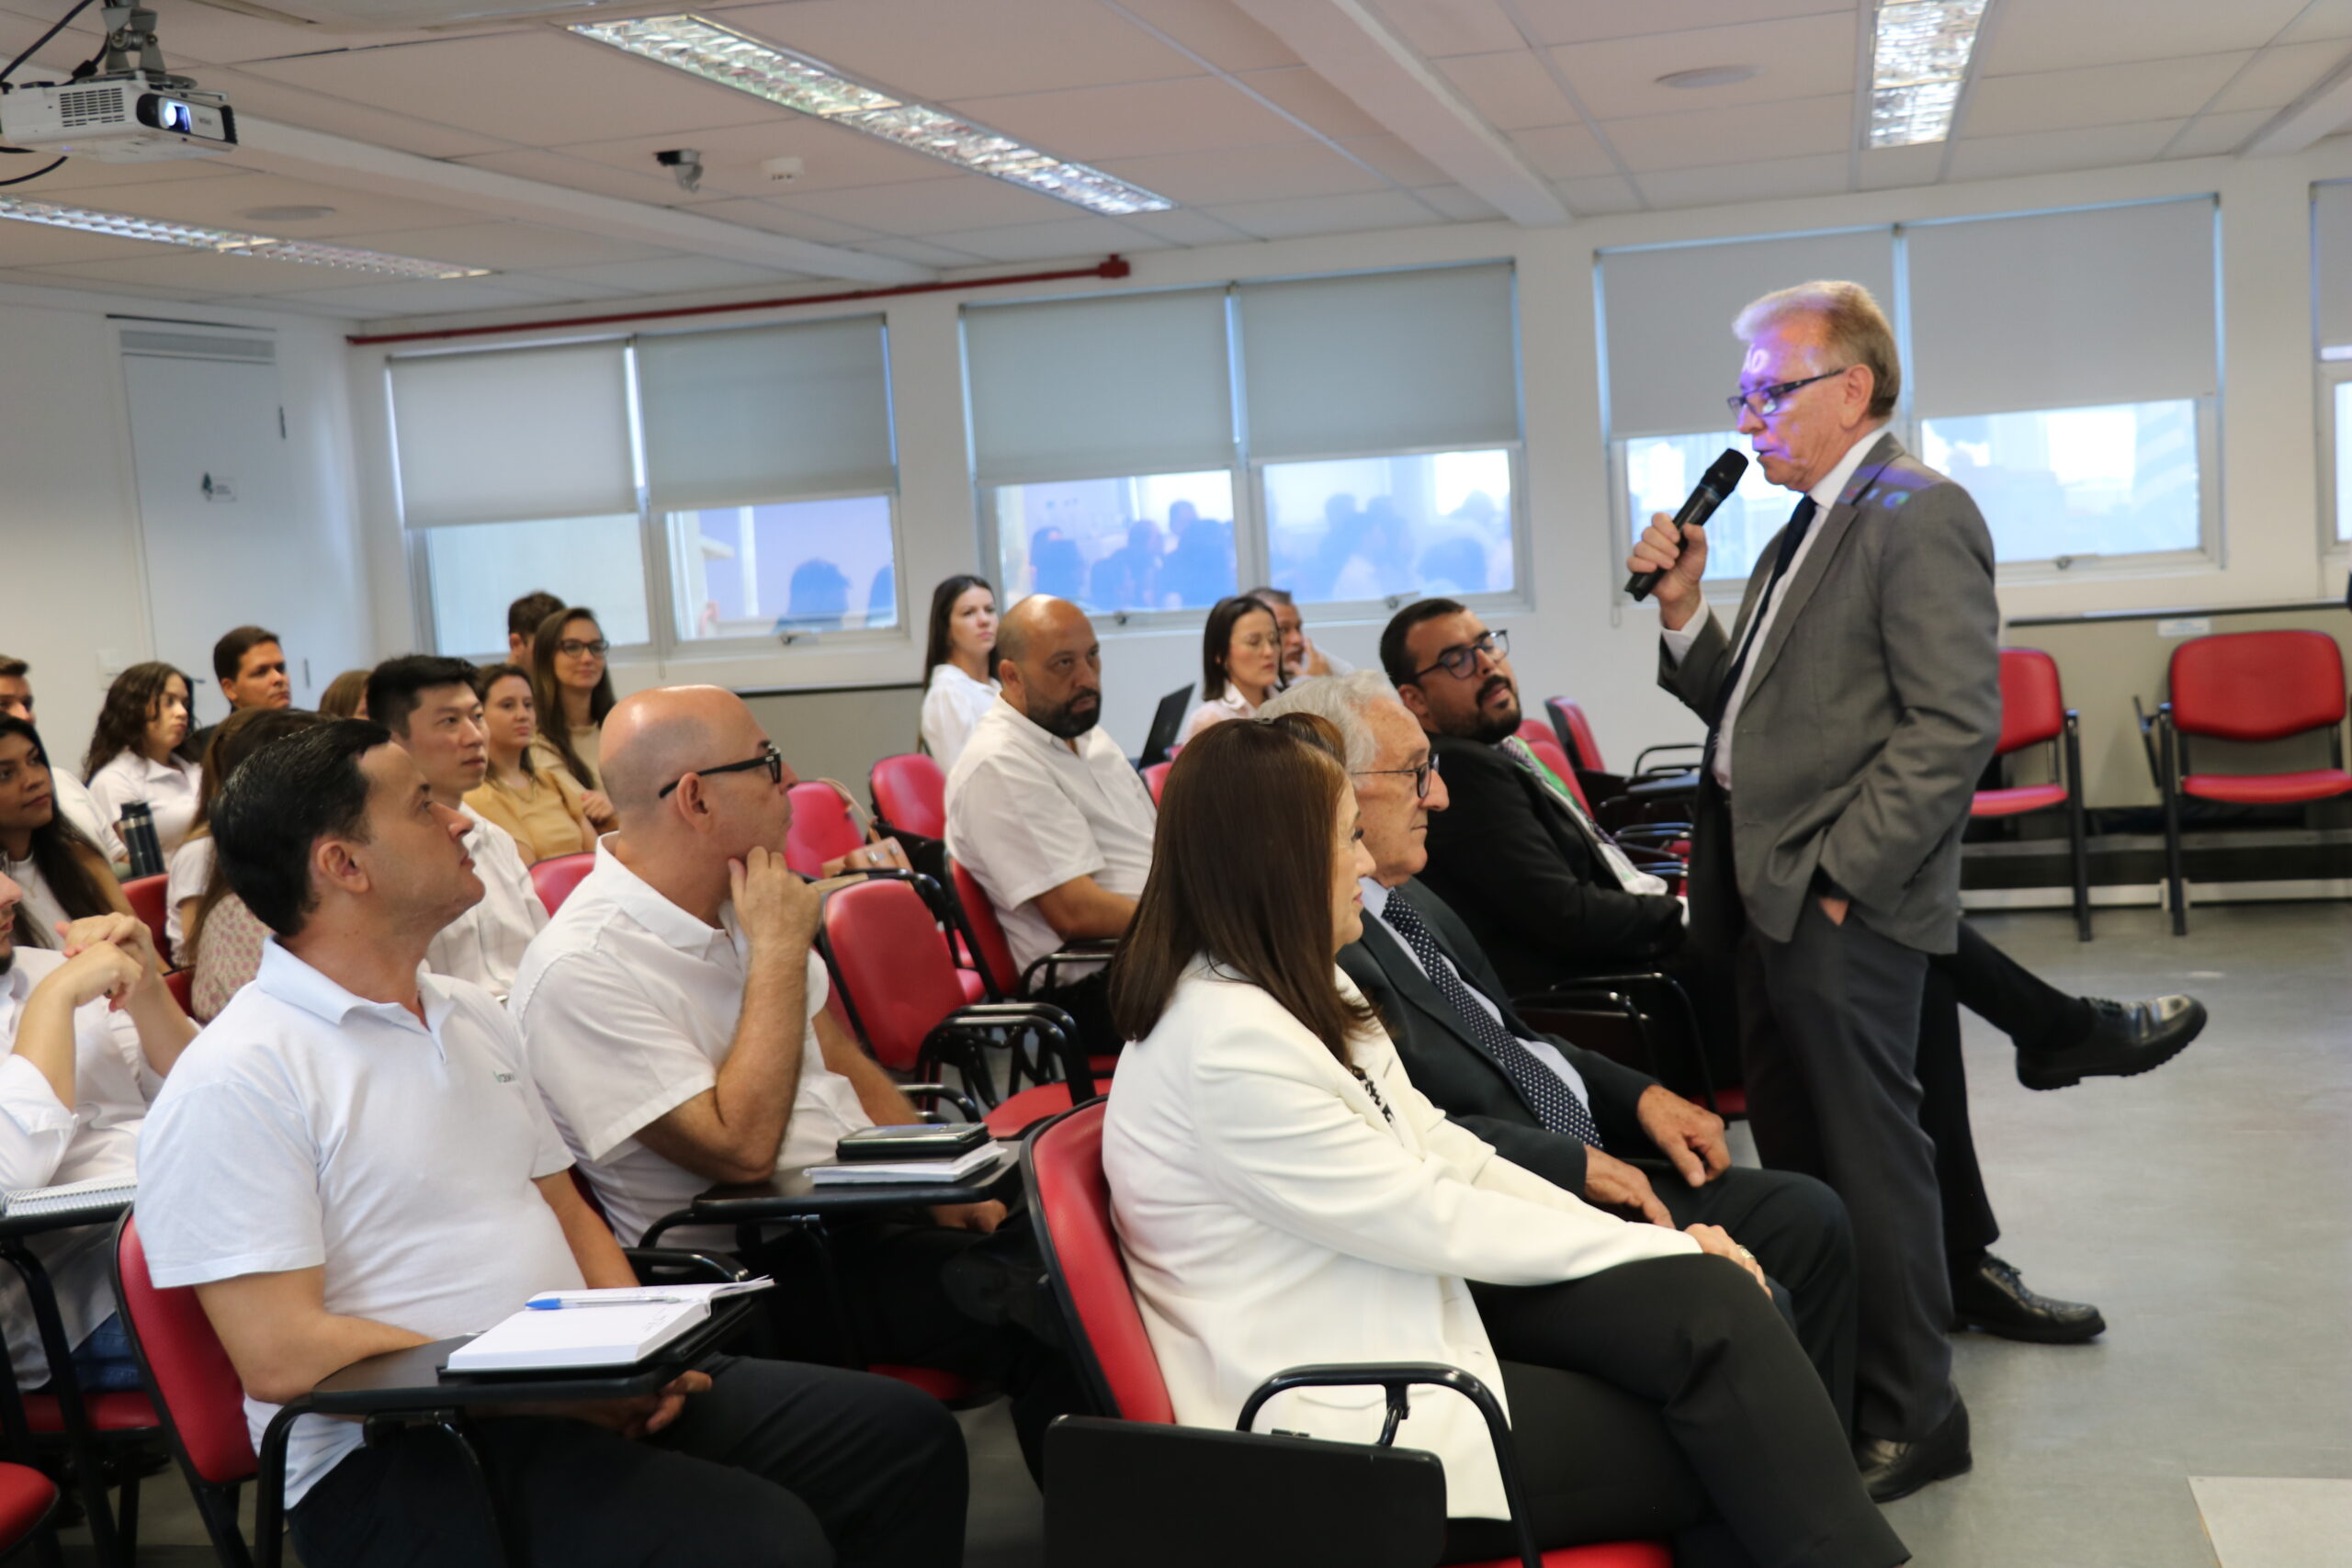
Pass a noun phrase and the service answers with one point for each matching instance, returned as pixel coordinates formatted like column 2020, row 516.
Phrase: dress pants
column 1668, row 1398
column 1831, row 1048
column 777, row 1466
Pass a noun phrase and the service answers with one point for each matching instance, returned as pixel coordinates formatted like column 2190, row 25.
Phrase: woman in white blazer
column 1284, row 1195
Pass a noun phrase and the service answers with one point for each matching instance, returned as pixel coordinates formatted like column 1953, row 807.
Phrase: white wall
column 72, row 584
column 1582, row 640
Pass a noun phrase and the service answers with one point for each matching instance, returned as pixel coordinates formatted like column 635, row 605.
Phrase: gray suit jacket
column 1873, row 705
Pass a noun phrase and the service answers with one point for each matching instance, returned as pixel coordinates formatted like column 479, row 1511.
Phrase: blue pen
column 556, row 1302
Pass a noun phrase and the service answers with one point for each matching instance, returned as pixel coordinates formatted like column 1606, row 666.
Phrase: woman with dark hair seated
column 1241, row 662
column 132, row 752
column 65, row 876
column 1285, row 1196
column 957, row 664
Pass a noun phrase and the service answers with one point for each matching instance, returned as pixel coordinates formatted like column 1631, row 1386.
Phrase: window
column 1359, row 528
column 810, row 566
column 2342, row 393
column 1158, row 542
column 2332, row 334
column 1660, row 471
column 2116, row 480
column 476, row 571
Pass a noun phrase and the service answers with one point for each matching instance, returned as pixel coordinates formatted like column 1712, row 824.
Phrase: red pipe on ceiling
column 1109, row 266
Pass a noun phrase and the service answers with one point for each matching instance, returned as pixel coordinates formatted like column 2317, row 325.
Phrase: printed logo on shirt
column 503, row 1077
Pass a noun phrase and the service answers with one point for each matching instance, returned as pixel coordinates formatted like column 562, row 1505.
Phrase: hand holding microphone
column 1670, row 561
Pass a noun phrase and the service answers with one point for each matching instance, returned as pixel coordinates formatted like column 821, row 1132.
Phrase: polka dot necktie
column 1546, row 1092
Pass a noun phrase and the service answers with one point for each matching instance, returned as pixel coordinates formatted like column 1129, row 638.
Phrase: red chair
column 556, row 877
column 822, row 827
column 1156, row 776
column 181, row 983
column 1645, row 791
column 2034, row 713
column 147, row 896
column 897, row 981
column 2248, row 687
column 1070, row 1200
column 27, row 1499
column 910, row 794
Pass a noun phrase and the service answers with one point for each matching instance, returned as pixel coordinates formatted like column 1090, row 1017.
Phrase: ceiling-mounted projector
column 124, row 107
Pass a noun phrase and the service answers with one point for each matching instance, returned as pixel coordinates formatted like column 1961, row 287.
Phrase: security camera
column 684, row 162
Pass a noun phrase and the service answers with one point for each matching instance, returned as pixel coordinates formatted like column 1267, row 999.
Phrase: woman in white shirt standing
column 145, row 715
column 1284, row 1196
column 955, row 665
column 1241, row 662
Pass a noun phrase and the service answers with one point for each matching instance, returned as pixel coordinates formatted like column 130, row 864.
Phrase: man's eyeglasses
column 1766, row 401
column 769, row 757
column 573, row 648
column 1463, row 662
column 1420, row 776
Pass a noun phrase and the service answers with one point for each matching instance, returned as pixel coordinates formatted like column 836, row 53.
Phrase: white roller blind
column 2332, row 258
column 2063, row 309
column 1672, row 360
column 734, row 418
column 1389, row 362
column 1088, row 388
column 512, row 437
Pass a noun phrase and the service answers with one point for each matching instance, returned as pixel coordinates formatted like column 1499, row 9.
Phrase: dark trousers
column 1668, row 1397
column 1088, row 1002
column 1968, row 1224
column 777, row 1464
column 1798, row 1230
column 2032, row 1013
column 1831, row 1048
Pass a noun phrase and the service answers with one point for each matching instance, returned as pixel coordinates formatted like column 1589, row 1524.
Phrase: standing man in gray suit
column 1850, row 708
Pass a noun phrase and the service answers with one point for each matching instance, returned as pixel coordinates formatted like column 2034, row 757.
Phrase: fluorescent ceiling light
column 705, row 49
column 1919, row 59
column 227, row 242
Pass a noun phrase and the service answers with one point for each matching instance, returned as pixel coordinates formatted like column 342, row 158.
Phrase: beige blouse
column 547, row 818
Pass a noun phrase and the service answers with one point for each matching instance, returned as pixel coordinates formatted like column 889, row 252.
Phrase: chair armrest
column 716, row 1270
column 1093, row 951
column 1641, row 762
column 1053, row 1027
column 920, row 1092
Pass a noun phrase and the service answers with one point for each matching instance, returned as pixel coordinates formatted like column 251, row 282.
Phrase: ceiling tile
column 1457, row 204
column 1771, row 180
column 1715, row 135
column 932, row 207
column 1994, row 157
column 1394, row 157
column 2094, row 94
column 1197, row 115
column 225, row 203
column 1892, row 168
column 919, row 253
column 2321, row 18
column 305, row 305
column 2277, row 77
column 90, row 177
column 1583, row 22
column 1509, row 91
column 1799, row 57
column 1437, row 29
column 1249, row 174
column 39, row 244
column 36, row 280
column 2214, row 134
column 1216, row 31
column 1301, row 92
column 652, row 186
column 538, row 88
column 259, row 97
column 678, row 275
column 1186, row 226
column 1598, row 196
column 210, row 272
column 2028, row 36
column 395, row 297
column 766, row 215
column 508, row 247
column 1078, row 239
column 1564, row 151
column 832, row 158
column 1328, row 214
column 213, row 33
column 972, row 50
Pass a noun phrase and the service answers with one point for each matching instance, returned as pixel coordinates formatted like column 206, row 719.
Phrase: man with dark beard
column 1043, row 810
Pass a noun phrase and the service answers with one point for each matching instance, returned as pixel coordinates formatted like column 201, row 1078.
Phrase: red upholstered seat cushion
column 2012, row 802
column 1732, row 1101
column 2268, row 789
column 910, row 793
column 123, row 1410
column 1610, row 1555
column 26, row 1497
column 976, row 987
column 554, row 878
column 945, row 1386
column 1021, row 1112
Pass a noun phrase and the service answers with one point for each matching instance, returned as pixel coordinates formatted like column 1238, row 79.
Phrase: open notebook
column 102, row 1196
column 594, row 1328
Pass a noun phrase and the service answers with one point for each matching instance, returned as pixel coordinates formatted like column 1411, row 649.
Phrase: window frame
column 2335, row 550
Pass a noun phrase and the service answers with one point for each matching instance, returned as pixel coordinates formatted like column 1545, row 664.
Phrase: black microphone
column 1720, row 480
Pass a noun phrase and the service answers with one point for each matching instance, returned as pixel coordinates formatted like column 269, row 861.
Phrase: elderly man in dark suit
column 1849, row 708
column 1592, row 1126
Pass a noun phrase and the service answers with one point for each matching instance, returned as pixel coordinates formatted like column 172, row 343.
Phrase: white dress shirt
column 1026, row 813
column 77, row 806
column 189, row 869
column 43, row 1143
column 951, row 706
column 627, row 1006
column 1232, row 704
column 1678, row 643
column 170, row 790
column 308, row 1128
column 486, row 943
column 1375, row 908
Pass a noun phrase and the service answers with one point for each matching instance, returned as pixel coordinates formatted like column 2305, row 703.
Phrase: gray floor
column 2202, row 1207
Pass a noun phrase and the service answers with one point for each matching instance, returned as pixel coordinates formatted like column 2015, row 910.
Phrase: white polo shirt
column 485, row 945
column 44, row 1143
column 189, row 869
column 1027, row 814
column 76, row 805
column 309, row 1127
column 627, row 1005
column 170, row 790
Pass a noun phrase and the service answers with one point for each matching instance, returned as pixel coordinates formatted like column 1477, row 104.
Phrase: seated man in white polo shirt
column 429, row 705
column 353, row 1158
column 88, row 1031
column 1043, row 809
column 674, row 1010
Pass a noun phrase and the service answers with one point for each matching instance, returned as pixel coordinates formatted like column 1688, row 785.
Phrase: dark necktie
column 1546, row 1092
column 1790, row 538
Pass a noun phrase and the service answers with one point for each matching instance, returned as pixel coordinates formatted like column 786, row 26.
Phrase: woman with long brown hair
column 959, row 686
column 1241, row 662
column 571, row 691
column 1284, row 1196
column 539, row 805
column 141, row 725
column 65, row 876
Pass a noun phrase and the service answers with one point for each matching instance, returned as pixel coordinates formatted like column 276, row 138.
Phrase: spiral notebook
column 102, row 1196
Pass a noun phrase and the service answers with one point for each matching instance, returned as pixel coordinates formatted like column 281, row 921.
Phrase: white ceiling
column 1535, row 103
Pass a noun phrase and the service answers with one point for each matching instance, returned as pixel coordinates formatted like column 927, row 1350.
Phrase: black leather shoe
column 2126, row 1038
column 1991, row 1297
column 1892, row 1470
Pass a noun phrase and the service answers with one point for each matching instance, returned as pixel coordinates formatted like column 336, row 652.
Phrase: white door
column 227, row 541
